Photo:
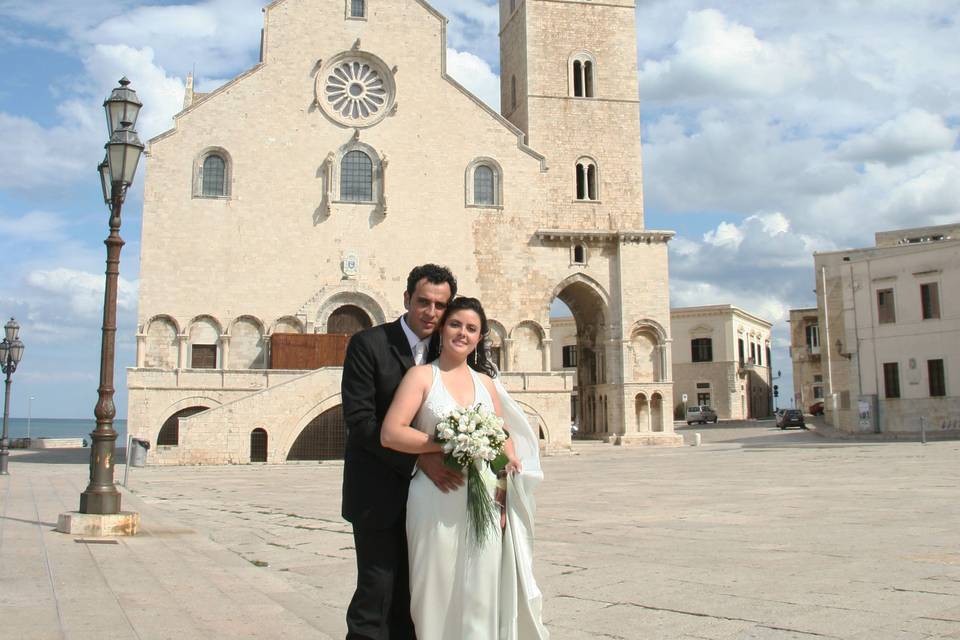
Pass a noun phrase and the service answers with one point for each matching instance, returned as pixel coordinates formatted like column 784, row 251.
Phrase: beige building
column 889, row 324
column 805, row 355
column 721, row 358
column 295, row 199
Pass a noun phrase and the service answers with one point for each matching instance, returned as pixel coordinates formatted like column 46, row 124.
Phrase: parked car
column 791, row 418
column 816, row 408
column 701, row 413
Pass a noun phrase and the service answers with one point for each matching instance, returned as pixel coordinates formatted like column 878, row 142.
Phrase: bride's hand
column 513, row 466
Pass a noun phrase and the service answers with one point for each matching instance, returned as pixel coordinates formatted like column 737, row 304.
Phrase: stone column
column 507, row 353
column 547, row 357
column 141, row 350
column 182, row 362
column 224, row 351
column 266, row 351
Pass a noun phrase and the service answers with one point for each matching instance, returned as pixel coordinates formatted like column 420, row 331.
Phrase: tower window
column 587, row 180
column 581, row 72
column 579, row 254
column 358, row 9
column 356, row 177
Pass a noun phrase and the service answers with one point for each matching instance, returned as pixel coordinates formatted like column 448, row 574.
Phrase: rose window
column 355, row 91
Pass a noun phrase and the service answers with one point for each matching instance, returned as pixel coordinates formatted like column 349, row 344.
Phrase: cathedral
column 284, row 210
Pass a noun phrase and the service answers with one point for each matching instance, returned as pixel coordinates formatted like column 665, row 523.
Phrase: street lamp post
column 116, row 175
column 11, row 350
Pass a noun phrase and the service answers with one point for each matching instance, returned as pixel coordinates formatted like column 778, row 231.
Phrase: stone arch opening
column 642, row 410
column 332, row 304
column 527, row 347
column 324, row 438
column 170, row 430
column 582, row 299
column 656, row 412
column 162, row 344
column 258, row 445
column 348, row 320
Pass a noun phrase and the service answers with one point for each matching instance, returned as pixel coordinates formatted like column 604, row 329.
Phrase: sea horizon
column 36, row 428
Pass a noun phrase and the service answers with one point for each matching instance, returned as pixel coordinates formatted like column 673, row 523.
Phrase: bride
column 459, row 589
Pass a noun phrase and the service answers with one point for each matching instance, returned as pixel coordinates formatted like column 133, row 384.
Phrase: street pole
column 116, row 174
column 5, row 442
column 101, row 496
column 11, row 350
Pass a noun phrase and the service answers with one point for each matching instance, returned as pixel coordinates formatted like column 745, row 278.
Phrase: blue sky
column 771, row 130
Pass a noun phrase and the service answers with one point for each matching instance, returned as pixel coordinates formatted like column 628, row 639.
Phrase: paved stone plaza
column 757, row 534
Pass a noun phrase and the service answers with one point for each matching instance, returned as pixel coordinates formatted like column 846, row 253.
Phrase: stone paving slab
column 758, row 534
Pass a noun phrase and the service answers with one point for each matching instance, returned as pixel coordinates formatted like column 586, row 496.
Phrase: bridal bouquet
column 473, row 438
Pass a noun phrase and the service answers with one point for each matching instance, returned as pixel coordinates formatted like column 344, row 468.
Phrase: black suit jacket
column 375, row 479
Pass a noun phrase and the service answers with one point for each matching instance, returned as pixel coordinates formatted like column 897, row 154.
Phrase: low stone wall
column 56, row 443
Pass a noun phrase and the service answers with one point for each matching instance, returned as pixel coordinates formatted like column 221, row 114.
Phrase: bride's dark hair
column 477, row 360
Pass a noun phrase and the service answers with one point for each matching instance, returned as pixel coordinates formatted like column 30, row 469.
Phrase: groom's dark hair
column 434, row 274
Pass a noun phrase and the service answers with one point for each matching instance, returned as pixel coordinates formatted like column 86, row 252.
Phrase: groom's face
column 425, row 306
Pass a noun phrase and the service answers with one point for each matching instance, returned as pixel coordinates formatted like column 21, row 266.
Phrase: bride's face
column 461, row 333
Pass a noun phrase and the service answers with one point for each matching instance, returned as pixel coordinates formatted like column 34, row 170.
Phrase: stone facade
column 308, row 187
column 889, row 321
column 805, row 356
column 722, row 359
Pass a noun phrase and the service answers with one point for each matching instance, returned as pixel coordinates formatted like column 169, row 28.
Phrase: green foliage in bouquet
column 473, row 439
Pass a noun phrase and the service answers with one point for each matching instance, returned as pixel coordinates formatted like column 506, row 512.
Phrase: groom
column 376, row 479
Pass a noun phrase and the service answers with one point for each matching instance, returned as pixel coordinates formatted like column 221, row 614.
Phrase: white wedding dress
column 459, row 591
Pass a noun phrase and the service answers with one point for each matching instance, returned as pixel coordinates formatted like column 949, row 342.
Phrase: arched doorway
column 258, row 445
column 170, row 431
column 656, row 412
column 323, row 439
column 642, row 409
column 348, row 320
column 583, row 300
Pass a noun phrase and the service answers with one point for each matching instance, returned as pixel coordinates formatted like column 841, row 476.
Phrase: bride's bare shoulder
column 420, row 372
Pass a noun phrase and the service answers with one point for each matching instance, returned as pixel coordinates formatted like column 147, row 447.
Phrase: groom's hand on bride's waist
column 443, row 476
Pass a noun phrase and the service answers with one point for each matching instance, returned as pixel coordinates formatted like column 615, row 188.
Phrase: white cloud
column 82, row 291
column 725, row 236
column 476, row 75
column 916, row 132
column 716, row 57
column 35, row 226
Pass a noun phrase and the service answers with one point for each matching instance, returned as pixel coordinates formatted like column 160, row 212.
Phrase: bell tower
column 569, row 82
column 568, row 72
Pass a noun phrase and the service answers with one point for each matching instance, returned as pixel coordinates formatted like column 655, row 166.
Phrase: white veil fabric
column 521, row 602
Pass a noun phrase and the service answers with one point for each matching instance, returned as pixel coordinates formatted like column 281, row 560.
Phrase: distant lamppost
column 116, row 175
column 11, row 350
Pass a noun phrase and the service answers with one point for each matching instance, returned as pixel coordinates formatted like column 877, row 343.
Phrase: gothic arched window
column 483, row 185
column 483, row 188
column 356, row 177
column 212, row 174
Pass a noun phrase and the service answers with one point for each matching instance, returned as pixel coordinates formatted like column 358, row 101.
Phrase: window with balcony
column 812, row 332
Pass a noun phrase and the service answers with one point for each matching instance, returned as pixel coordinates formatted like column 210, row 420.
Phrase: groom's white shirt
column 418, row 347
